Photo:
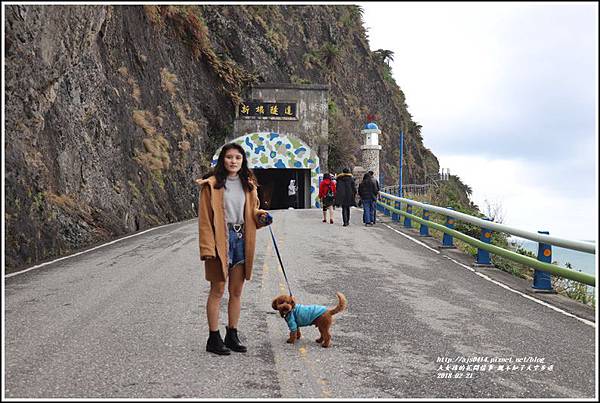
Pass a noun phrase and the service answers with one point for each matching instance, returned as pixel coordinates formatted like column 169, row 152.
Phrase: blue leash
column 280, row 262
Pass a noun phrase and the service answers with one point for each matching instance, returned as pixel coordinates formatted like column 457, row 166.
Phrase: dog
column 297, row 315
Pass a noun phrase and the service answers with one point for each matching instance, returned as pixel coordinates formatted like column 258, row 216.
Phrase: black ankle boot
column 215, row 344
column 232, row 341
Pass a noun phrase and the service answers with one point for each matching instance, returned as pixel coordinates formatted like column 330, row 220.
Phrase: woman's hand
column 264, row 218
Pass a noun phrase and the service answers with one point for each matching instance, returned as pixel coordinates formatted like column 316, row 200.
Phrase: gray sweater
column 234, row 200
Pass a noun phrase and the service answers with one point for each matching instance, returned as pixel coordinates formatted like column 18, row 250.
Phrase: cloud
column 528, row 195
column 507, row 96
column 500, row 77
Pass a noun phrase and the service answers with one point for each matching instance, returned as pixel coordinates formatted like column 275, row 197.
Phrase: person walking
column 327, row 195
column 346, row 194
column 376, row 182
column 228, row 217
column 292, row 189
column 333, row 176
column 368, row 193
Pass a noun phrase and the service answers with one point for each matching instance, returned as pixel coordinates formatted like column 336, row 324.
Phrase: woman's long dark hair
column 246, row 175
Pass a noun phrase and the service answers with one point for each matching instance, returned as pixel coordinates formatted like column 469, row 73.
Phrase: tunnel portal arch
column 275, row 151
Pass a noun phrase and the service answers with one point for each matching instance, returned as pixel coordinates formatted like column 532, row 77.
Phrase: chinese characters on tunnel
column 258, row 109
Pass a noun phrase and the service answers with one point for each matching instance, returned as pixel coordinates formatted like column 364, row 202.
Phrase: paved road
column 128, row 321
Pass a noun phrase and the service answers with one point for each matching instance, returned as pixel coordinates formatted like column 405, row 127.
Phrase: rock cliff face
column 112, row 111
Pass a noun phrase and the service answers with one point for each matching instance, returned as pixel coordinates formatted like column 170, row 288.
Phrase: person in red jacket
column 327, row 196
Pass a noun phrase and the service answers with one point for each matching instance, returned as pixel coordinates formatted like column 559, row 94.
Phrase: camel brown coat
column 213, row 233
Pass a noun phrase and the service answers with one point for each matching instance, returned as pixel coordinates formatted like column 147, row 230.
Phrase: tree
column 415, row 129
column 329, row 53
column 494, row 211
column 384, row 56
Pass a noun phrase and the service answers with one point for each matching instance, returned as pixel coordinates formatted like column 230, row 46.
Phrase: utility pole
column 400, row 179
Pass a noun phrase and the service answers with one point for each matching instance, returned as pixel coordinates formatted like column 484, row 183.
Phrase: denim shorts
column 236, row 253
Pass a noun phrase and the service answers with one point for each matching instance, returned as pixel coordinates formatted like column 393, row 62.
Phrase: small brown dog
column 297, row 315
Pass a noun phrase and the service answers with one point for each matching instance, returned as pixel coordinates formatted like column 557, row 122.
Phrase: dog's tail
column 342, row 304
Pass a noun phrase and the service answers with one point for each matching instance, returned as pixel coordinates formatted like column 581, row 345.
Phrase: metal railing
column 386, row 199
column 431, row 181
column 412, row 189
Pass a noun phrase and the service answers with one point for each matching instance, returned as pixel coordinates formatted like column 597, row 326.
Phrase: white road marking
column 86, row 251
column 587, row 322
column 413, row 239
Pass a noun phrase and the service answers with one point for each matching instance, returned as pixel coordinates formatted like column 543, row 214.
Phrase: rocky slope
column 112, row 111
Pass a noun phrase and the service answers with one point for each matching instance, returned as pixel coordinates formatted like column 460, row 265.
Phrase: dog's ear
column 274, row 304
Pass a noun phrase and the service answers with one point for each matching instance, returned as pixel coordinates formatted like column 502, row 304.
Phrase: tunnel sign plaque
column 272, row 110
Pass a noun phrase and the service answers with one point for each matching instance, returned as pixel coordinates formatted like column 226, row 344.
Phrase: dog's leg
column 292, row 338
column 298, row 335
column 320, row 339
column 324, row 328
column 326, row 338
column 323, row 323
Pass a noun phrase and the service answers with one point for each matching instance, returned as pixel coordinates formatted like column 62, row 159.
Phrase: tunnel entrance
column 273, row 187
column 275, row 159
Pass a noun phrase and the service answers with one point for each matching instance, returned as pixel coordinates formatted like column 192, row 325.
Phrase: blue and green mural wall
column 274, row 150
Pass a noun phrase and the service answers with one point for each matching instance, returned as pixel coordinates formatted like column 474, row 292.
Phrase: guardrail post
column 447, row 239
column 388, row 202
column 377, row 206
column 397, row 206
column 407, row 223
column 483, row 256
column 424, row 230
column 542, row 281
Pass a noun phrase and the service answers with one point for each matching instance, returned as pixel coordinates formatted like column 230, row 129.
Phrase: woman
column 368, row 194
column 228, row 216
column 346, row 194
column 327, row 196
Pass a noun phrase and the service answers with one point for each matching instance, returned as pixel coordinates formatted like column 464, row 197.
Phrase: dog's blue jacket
column 303, row 315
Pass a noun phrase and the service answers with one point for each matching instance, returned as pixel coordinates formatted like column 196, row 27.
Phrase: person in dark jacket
column 346, row 194
column 376, row 182
column 367, row 191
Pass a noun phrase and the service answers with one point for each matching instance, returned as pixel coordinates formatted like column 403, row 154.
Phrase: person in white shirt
column 292, row 189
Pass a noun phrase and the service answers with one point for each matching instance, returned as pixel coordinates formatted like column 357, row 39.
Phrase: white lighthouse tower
column 370, row 149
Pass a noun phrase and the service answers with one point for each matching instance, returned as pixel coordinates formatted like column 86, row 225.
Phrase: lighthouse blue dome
column 371, row 125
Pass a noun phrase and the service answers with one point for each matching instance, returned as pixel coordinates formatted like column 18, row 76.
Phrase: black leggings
column 346, row 214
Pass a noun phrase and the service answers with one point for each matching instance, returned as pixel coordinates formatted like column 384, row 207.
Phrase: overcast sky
column 507, row 97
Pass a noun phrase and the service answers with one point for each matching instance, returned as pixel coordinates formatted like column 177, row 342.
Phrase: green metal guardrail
column 526, row 260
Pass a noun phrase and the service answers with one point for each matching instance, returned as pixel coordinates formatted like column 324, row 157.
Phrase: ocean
column 580, row 261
